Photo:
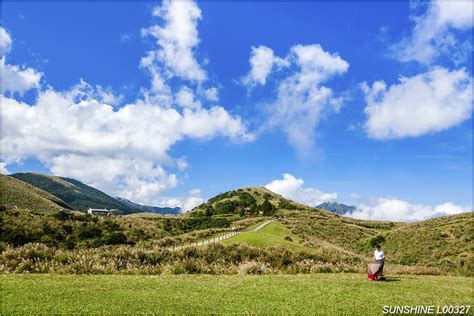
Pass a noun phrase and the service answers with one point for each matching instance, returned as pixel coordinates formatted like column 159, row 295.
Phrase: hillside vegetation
column 75, row 193
column 301, row 240
column 23, row 195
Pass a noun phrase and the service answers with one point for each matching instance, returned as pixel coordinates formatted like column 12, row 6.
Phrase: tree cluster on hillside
column 69, row 230
column 236, row 202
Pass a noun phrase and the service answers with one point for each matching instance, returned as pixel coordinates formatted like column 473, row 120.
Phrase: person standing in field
column 379, row 257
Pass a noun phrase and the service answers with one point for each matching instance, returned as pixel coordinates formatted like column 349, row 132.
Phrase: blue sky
column 366, row 103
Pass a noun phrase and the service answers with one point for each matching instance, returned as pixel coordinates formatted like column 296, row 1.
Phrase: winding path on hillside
column 223, row 237
column 262, row 226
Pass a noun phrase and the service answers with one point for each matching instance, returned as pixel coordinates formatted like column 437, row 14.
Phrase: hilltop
column 249, row 201
column 75, row 193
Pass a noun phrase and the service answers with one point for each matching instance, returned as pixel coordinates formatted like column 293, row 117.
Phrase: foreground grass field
column 198, row 294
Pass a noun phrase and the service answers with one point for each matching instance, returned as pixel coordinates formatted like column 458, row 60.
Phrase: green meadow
column 225, row 294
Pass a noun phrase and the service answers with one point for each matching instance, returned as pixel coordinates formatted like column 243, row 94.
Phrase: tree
column 267, row 208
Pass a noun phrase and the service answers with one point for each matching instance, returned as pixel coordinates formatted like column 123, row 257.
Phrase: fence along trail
column 220, row 238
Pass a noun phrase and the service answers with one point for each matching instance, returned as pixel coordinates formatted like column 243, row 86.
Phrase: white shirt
column 379, row 255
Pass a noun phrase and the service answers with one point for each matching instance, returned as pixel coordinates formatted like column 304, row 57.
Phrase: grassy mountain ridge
column 332, row 241
column 337, row 208
column 75, row 193
column 23, row 195
column 148, row 208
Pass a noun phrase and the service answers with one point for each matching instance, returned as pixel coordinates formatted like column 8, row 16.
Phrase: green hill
column 444, row 243
column 334, row 242
column 75, row 193
column 17, row 193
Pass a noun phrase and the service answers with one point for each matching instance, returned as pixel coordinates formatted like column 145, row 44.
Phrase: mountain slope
column 148, row 208
column 337, row 208
column 73, row 192
column 440, row 244
column 23, row 195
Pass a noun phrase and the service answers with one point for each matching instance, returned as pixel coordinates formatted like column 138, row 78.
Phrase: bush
column 88, row 232
column 115, row 238
column 377, row 240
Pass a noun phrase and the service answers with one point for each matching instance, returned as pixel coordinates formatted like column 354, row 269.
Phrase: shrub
column 88, row 232
column 377, row 240
column 115, row 238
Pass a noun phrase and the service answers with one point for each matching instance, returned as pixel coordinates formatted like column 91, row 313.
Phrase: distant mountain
column 75, row 193
column 148, row 208
column 16, row 193
column 337, row 208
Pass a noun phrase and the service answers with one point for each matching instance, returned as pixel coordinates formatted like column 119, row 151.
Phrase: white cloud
column 15, row 78
column 212, row 94
column 5, row 42
column 123, row 148
column 130, row 178
column 3, row 168
column 185, row 98
column 292, row 188
column 262, row 61
column 194, row 199
column 431, row 34
column 391, row 209
column 185, row 203
column 428, row 102
column 182, row 163
column 18, row 79
column 85, row 132
column 302, row 97
column 177, row 39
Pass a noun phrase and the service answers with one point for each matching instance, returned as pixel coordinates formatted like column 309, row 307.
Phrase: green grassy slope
column 323, row 294
column 24, row 195
column 272, row 235
column 446, row 242
column 73, row 192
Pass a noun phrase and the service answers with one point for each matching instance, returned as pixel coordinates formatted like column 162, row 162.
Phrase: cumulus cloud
column 3, row 168
column 392, row 209
column 292, row 188
column 262, row 61
column 429, row 102
column 302, row 97
column 123, row 149
column 432, row 31
column 212, row 94
column 5, row 42
column 177, row 39
column 185, row 203
column 15, row 78
column 18, row 79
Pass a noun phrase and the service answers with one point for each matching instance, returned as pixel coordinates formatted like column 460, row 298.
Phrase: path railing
column 220, row 238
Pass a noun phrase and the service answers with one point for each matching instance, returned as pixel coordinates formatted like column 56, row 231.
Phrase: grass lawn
column 271, row 235
column 198, row 294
